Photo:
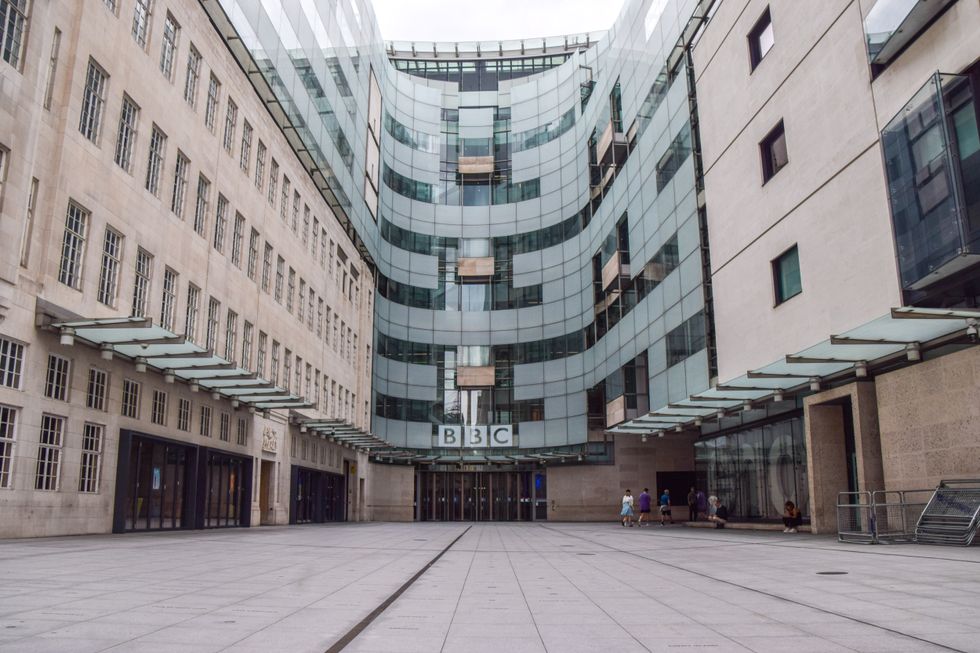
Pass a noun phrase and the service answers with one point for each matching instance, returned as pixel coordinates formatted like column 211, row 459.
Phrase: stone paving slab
column 501, row 588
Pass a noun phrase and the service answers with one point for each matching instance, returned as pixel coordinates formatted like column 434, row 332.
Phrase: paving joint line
column 765, row 593
column 362, row 625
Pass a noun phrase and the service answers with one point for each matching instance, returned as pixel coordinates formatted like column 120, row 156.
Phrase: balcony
column 932, row 160
column 474, row 268
column 475, row 165
column 468, row 376
column 892, row 24
column 614, row 269
column 611, row 146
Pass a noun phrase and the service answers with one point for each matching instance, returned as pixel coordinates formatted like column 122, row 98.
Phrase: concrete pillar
column 867, row 437
column 826, row 462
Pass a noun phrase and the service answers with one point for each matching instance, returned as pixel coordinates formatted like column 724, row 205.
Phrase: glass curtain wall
column 754, row 471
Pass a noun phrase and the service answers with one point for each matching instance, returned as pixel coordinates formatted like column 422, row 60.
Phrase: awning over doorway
column 897, row 338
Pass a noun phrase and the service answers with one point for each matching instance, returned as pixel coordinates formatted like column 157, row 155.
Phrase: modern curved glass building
column 531, row 208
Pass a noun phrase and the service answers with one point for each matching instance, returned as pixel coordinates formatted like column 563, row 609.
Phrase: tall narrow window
column 280, row 274
column 58, row 377
column 126, row 134
column 253, row 254
column 13, row 27
column 287, row 368
column 180, row 184
column 290, row 290
column 224, row 427
column 168, row 47
column 300, row 300
column 220, row 223
column 231, row 334
column 93, row 102
column 214, row 319
column 183, row 415
column 260, row 355
column 266, row 267
column 49, row 453
column 154, row 164
column 323, row 248
column 761, row 38
column 52, row 68
column 246, row 153
column 141, row 22
column 247, row 346
column 131, row 399
column 211, row 108
column 206, row 421
column 231, row 120
column 28, row 233
column 274, row 363
column 319, row 318
column 260, row 165
column 11, row 363
column 773, row 150
column 201, row 205
column 109, row 274
column 284, row 200
column 242, row 438
column 787, row 281
column 98, row 388
column 141, row 283
column 315, row 237
column 8, row 435
column 237, row 234
column 296, row 203
column 158, row 408
column 91, row 463
column 73, row 246
column 193, row 308
column 309, row 309
column 305, row 236
column 193, row 73
column 168, row 309
column 273, row 181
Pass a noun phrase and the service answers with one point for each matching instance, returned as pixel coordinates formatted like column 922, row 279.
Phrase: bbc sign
column 476, row 437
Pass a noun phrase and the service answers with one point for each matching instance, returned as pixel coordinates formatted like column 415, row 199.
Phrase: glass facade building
column 531, row 210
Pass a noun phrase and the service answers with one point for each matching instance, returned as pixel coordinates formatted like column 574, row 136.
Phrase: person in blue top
column 665, row 507
column 645, row 500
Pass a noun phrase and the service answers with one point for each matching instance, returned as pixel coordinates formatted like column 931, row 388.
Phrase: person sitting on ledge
column 792, row 517
column 720, row 516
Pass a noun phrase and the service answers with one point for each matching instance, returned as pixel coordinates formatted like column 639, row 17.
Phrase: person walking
column 644, row 507
column 627, row 512
column 692, row 504
column 665, row 507
column 702, row 505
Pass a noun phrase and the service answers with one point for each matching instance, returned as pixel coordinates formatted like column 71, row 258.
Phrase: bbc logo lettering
column 476, row 437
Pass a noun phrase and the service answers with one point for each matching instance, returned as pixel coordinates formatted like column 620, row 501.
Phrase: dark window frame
column 778, row 292
column 769, row 164
column 756, row 55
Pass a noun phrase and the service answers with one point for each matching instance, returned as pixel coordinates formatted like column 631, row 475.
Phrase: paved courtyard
column 505, row 588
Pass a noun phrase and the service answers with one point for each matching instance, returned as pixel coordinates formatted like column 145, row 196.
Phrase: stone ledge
column 744, row 526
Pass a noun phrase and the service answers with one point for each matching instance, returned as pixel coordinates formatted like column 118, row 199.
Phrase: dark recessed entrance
column 315, row 496
column 480, row 495
column 162, row 484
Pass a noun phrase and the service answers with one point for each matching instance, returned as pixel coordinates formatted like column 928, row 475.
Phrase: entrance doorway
column 316, row 496
column 479, row 495
column 155, row 485
column 267, row 498
column 228, row 499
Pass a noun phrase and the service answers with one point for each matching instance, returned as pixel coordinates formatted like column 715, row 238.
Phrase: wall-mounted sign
column 476, row 437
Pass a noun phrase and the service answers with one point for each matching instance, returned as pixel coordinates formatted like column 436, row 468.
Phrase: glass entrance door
column 479, row 496
column 156, row 485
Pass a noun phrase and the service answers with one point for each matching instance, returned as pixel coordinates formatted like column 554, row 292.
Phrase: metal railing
column 880, row 517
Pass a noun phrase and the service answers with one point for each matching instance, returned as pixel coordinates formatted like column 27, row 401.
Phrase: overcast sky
column 490, row 20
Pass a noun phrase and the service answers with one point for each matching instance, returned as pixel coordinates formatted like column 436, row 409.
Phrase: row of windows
column 51, row 445
column 496, row 296
column 480, row 74
column 502, row 410
column 466, row 195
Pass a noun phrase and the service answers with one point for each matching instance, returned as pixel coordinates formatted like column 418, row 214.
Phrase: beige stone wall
column 593, row 492
column 930, row 421
column 46, row 144
column 391, row 492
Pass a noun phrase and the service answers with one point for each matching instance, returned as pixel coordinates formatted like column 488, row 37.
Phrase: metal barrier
column 896, row 514
column 953, row 514
column 880, row 517
column 855, row 517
